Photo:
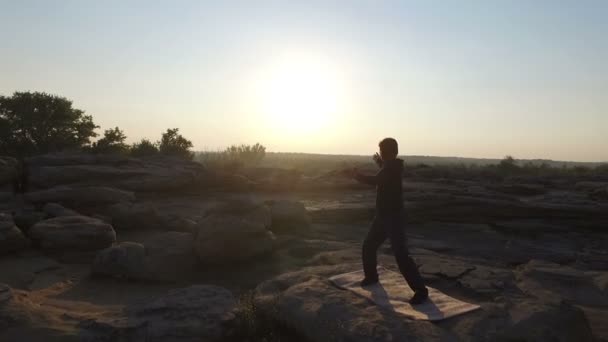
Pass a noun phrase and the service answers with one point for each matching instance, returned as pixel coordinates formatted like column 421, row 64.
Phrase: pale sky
column 448, row 78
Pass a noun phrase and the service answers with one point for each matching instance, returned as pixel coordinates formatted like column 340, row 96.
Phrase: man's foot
column 419, row 297
column 368, row 281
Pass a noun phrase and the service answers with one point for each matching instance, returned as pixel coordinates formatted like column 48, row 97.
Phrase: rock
column 308, row 303
column 124, row 260
column 80, row 196
column 25, row 219
column 485, row 280
column 600, row 194
column 446, row 268
column 8, row 169
column 170, row 255
column 193, row 314
column 520, row 189
column 132, row 216
column 163, row 257
column 159, row 173
column 554, row 282
column 73, row 233
column 57, row 210
column 246, row 209
column 601, row 282
column 341, row 212
column 226, row 239
column 180, row 224
column 16, row 308
column 533, row 321
column 11, row 237
column 528, row 227
column 288, row 216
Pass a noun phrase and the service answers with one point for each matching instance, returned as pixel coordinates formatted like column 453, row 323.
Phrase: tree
column 35, row 123
column 508, row 163
column 173, row 143
column 113, row 141
column 144, row 148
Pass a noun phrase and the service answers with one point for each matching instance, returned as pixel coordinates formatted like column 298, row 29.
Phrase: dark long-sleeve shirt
column 389, row 188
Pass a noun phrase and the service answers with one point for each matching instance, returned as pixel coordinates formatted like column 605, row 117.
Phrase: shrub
column 144, row 148
column 233, row 158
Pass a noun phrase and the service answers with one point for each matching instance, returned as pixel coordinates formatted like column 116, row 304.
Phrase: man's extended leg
column 406, row 264
column 375, row 237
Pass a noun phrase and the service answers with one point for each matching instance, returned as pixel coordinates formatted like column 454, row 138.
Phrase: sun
column 301, row 95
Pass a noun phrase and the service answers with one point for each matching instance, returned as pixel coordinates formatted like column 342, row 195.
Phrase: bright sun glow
column 301, row 95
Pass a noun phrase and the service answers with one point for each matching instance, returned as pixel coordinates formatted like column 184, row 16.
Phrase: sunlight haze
column 445, row 78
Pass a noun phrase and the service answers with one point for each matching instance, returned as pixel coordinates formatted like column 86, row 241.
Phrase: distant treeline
column 293, row 157
column 440, row 167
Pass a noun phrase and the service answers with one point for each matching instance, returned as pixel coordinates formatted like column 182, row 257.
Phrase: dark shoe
column 419, row 297
column 368, row 281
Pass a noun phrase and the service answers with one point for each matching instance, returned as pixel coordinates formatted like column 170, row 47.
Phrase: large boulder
column 73, row 233
column 81, row 196
column 165, row 257
column 288, row 216
column 158, row 173
column 11, row 237
column 228, row 239
column 124, row 260
column 193, row 314
column 309, row 304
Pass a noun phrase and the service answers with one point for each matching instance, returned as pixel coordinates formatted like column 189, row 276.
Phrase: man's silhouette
column 389, row 220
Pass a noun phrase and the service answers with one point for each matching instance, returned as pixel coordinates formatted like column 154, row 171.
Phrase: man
column 389, row 220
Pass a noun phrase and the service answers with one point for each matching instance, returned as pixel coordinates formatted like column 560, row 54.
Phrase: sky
column 446, row 78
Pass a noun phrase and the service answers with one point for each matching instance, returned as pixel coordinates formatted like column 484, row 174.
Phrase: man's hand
column 377, row 159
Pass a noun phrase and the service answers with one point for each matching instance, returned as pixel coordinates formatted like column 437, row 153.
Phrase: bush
column 144, row 148
column 113, row 141
column 246, row 154
column 35, row 123
column 174, row 144
column 233, row 158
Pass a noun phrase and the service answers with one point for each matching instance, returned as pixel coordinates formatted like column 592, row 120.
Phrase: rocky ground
column 106, row 248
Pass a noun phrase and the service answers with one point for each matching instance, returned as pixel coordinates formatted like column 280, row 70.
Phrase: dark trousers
column 391, row 227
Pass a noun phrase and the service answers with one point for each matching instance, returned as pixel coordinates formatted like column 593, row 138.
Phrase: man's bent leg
column 406, row 264
column 375, row 237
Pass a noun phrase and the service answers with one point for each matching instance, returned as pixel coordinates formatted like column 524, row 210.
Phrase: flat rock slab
column 392, row 293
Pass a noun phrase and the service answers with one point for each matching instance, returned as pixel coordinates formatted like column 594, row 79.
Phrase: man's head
column 388, row 148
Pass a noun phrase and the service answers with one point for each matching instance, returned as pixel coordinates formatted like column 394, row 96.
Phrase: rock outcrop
column 554, row 282
column 222, row 237
column 11, row 237
column 307, row 302
column 73, row 233
column 146, row 174
column 80, row 196
column 8, row 169
column 164, row 257
column 57, row 210
column 124, row 260
column 288, row 216
column 193, row 314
